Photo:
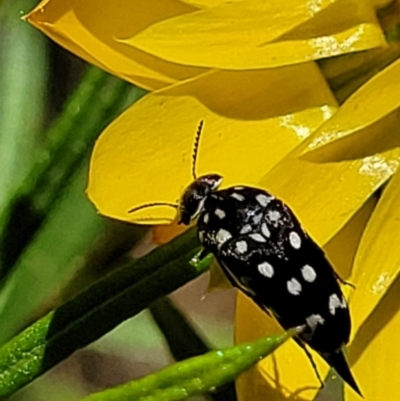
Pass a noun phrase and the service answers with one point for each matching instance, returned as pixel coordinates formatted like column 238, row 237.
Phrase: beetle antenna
column 174, row 205
column 196, row 148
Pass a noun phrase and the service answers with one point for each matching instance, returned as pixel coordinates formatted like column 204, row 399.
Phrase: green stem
column 96, row 311
column 196, row 375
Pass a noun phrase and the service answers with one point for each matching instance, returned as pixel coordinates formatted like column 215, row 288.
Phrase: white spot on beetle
column 313, row 320
column 335, row 302
column 206, row 218
column 222, row 236
column 257, row 218
column 220, row 213
column 274, row 215
column 294, row 287
column 295, row 240
column 266, row 269
column 257, row 237
column 241, row 247
column 238, row 197
column 238, row 188
column 308, row 273
column 263, row 200
column 245, row 229
column 265, row 231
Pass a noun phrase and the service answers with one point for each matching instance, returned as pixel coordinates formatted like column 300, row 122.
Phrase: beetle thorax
column 192, row 201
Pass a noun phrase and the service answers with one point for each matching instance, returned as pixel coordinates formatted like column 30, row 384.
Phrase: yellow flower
column 155, row 44
column 360, row 240
column 246, row 68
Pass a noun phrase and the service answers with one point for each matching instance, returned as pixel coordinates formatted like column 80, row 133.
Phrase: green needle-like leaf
column 23, row 79
column 96, row 311
column 196, row 375
column 98, row 99
column 68, row 231
column 183, row 340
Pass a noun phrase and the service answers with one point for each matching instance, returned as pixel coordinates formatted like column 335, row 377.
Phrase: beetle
column 265, row 252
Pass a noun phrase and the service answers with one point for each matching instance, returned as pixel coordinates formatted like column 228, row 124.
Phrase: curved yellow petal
column 252, row 119
column 342, row 248
column 289, row 372
column 218, row 279
column 164, row 234
column 381, row 3
column 90, row 31
column 257, row 34
column 206, row 3
column 377, row 263
column 325, row 196
column 214, row 3
column 364, row 124
column 375, row 353
column 347, row 74
column 274, row 378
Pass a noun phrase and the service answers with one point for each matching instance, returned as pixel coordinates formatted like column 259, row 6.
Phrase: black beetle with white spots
column 265, row 252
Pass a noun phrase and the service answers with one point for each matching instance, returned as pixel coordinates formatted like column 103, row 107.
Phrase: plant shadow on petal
column 259, row 94
column 383, row 313
column 270, row 389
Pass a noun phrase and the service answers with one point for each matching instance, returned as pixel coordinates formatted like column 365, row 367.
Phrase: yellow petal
column 364, row 124
column 207, row 3
column 256, row 34
column 341, row 249
column 90, row 32
column 381, row 3
column 325, row 196
column 377, row 263
column 348, row 73
column 145, row 155
column 289, row 371
column 214, row 3
column 383, row 58
column 218, row 279
column 164, row 234
column 375, row 352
